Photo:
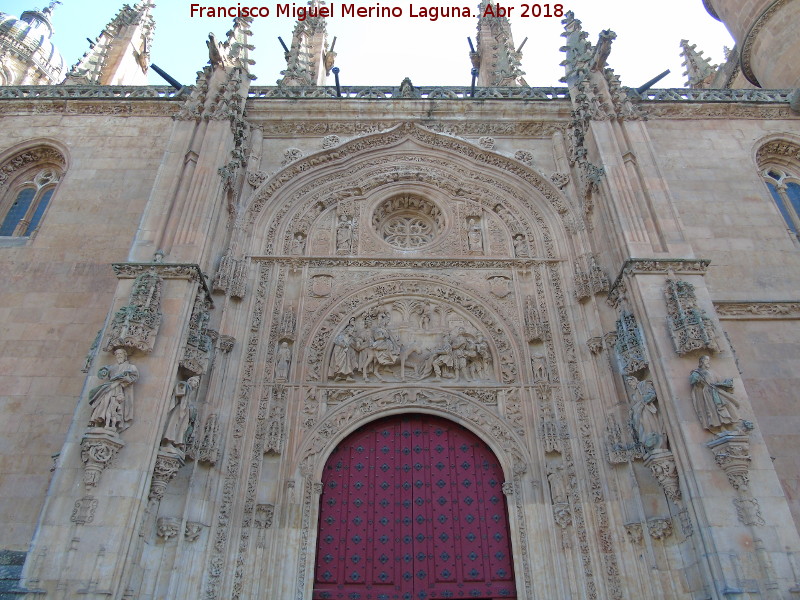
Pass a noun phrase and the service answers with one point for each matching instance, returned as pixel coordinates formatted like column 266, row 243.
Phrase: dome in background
column 30, row 56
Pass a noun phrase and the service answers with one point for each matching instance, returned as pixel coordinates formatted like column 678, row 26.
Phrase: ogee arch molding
column 408, row 155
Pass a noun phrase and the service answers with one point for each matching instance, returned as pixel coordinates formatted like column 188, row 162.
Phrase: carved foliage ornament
column 136, row 324
column 350, row 414
column 29, row 157
column 197, row 351
column 689, row 326
column 630, row 348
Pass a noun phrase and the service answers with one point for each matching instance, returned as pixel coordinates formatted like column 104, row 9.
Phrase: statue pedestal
column 732, row 453
column 168, row 461
column 99, row 446
column 662, row 464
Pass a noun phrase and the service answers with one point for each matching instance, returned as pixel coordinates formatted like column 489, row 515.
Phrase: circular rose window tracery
column 407, row 222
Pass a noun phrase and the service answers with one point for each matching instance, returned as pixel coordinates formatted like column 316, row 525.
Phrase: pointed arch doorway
column 412, row 509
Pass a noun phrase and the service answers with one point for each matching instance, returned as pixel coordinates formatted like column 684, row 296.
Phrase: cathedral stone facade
column 307, row 341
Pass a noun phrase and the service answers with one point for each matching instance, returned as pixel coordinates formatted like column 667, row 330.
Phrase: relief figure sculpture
column 369, row 344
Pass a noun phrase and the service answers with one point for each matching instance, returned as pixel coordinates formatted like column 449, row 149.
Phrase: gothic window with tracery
column 785, row 190
column 27, row 183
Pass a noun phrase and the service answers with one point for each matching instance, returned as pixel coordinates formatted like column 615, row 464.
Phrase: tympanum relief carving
column 410, row 339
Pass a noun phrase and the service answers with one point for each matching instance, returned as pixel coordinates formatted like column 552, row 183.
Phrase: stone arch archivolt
column 319, row 443
column 292, row 198
column 381, row 290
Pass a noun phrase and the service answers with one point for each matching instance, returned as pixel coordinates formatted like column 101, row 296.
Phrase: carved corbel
column 168, row 462
column 662, row 465
column 659, row 528
column 634, row 531
column 732, row 455
column 168, row 527
column 98, row 448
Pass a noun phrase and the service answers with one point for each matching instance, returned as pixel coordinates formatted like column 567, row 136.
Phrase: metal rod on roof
column 472, row 87
column 336, row 75
column 170, row 80
column 471, row 47
column 652, row 82
column 285, row 49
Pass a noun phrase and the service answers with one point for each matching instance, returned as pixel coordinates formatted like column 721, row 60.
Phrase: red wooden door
column 412, row 508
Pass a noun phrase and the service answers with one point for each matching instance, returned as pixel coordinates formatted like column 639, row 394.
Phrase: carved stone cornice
column 719, row 110
column 750, row 38
column 757, row 309
column 409, row 263
column 651, row 266
column 188, row 271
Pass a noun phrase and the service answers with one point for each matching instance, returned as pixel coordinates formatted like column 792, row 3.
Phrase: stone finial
column 130, row 35
column 496, row 57
column 699, row 71
column 309, row 60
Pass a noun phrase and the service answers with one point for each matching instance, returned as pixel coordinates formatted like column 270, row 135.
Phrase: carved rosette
column 168, row 462
column 135, row 325
column 98, row 449
column 662, row 464
column 689, row 326
column 732, row 455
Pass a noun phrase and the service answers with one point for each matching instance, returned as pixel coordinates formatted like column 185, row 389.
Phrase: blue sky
column 382, row 51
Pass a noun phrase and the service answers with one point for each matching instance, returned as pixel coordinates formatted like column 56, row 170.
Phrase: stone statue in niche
column 344, row 235
column 713, row 398
column 539, row 365
column 283, row 361
column 112, row 401
column 298, row 245
column 521, row 249
column 474, row 236
column 176, row 432
column 557, row 478
column 644, row 419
